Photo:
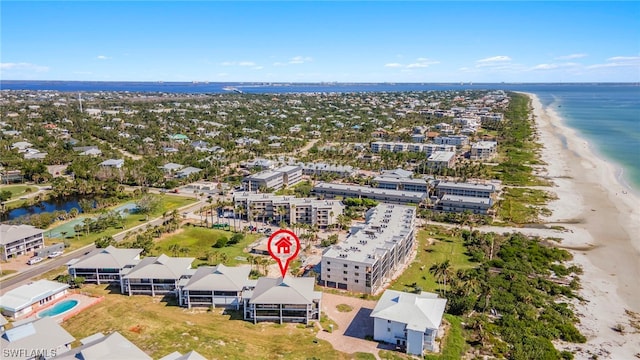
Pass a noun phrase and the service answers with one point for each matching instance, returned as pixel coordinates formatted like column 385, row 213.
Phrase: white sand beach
column 603, row 219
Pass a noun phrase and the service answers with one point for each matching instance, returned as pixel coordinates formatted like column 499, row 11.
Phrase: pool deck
column 84, row 301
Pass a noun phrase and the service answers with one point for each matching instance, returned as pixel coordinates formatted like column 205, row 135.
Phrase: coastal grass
column 523, row 205
column 199, row 242
column 159, row 328
column 518, row 150
column 167, row 204
column 18, row 190
column 445, row 247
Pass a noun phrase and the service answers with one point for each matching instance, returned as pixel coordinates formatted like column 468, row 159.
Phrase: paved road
column 37, row 270
column 25, row 276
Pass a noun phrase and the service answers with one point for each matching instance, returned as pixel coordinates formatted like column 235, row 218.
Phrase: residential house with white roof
column 215, row 286
column 18, row 240
column 28, row 298
column 408, row 320
column 186, row 172
column 103, row 266
column 368, row 259
column 114, row 163
column 289, row 299
column 40, row 339
column 101, row 347
column 21, row 146
column 157, row 275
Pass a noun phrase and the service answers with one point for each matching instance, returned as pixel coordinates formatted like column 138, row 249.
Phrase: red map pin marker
column 283, row 247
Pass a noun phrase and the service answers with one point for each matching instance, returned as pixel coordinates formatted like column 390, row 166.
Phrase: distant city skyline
column 321, row 41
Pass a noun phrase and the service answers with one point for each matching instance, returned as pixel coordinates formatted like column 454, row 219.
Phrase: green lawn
column 199, row 241
column 18, row 190
column 160, row 328
column 444, row 248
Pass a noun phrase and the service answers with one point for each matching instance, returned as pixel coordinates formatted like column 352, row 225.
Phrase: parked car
column 55, row 254
column 34, row 260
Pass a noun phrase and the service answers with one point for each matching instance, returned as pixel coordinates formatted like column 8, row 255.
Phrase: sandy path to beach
column 603, row 219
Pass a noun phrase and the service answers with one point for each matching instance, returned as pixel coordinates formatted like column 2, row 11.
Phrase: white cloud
column 258, row 67
column 23, row 66
column 618, row 61
column 571, row 57
column 102, row 57
column 420, row 63
column 494, row 59
column 555, row 66
column 239, row 63
column 300, row 59
column 624, row 58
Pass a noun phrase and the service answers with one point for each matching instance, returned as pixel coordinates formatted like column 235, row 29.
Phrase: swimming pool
column 59, row 308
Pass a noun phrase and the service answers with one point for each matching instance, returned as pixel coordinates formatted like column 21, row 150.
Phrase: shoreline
column 602, row 219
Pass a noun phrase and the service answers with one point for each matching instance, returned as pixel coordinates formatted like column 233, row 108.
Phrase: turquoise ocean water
column 606, row 115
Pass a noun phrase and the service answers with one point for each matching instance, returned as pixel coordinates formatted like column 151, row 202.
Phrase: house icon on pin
column 284, row 245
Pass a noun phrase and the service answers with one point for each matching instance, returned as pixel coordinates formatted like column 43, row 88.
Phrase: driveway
column 353, row 326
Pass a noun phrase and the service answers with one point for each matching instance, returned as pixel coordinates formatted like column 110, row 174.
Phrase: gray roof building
column 288, row 290
column 40, row 337
column 161, row 267
column 219, row 277
column 11, row 233
column 107, row 258
column 100, row 347
column 383, row 195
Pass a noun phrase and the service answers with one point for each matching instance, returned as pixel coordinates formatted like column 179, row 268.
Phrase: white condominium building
column 274, row 179
column 429, row 149
column 371, row 256
column 265, row 207
column 18, row 240
column 483, row 150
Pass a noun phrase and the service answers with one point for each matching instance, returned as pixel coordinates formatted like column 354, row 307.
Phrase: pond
column 43, row 207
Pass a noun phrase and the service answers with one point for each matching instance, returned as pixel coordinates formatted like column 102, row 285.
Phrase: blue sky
column 417, row 41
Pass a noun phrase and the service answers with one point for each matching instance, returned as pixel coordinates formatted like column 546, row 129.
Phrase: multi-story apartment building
column 157, row 275
column 368, row 259
column 391, row 182
column 324, row 168
column 330, row 190
column 455, row 203
column 441, row 160
column 455, row 140
column 429, row 149
column 289, row 209
column 274, row 179
column 464, row 189
column 104, row 265
column 18, row 240
column 460, row 197
column 483, row 150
